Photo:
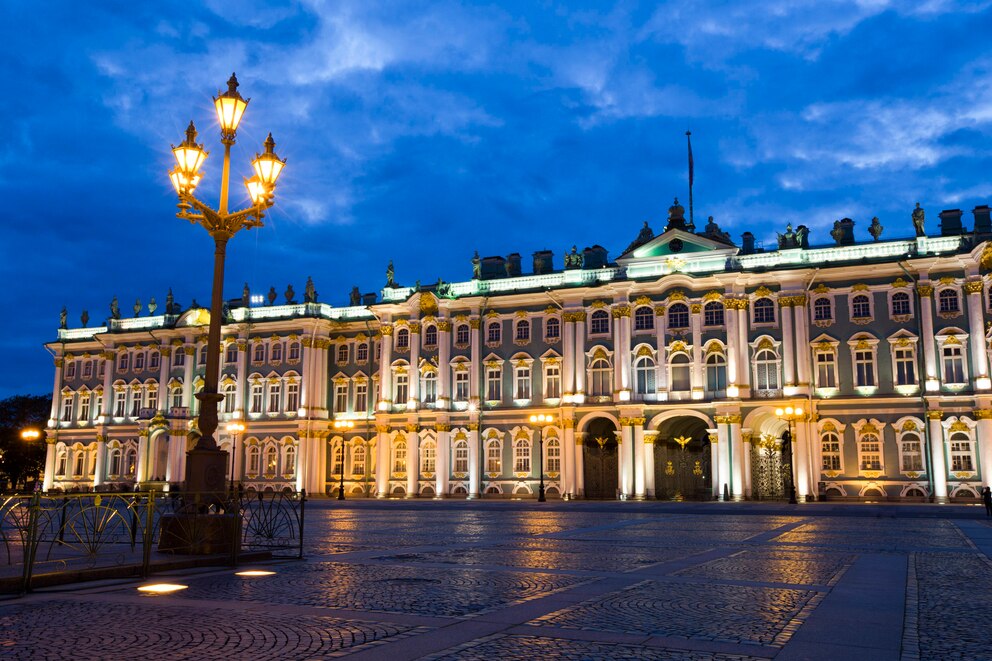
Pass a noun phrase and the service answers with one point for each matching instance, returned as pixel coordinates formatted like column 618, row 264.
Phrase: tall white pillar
column 475, row 369
column 788, row 344
column 976, row 335
column 733, row 350
column 141, row 474
column 49, row 480
column 626, row 452
column 412, row 461
column 695, row 320
column 726, row 460
column 443, row 468
column 474, row 466
column 738, row 458
column 984, row 439
column 640, row 485
column 801, row 457
column 580, row 480
column 414, row 365
column 715, row 462
column 649, row 439
column 937, row 462
column 661, row 366
column 925, row 300
column 188, row 366
column 621, row 351
column 443, row 366
column 165, row 358
column 386, row 372
column 744, row 374
column 568, row 356
column 579, row 368
column 56, row 410
column 242, row 379
column 382, row 467
column 101, row 460
column 801, row 318
column 746, row 436
column 568, row 456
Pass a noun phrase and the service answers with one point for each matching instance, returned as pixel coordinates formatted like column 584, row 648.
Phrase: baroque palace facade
column 662, row 371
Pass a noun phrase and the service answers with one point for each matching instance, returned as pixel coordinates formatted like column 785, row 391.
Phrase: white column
column 414, row 364
column 744, row 374
column 568, row 356
column 302, row 466
column 49, row 480
column 101, row 460
column 443, row 366
column 443, row 469
column 639, row 483
column 141, row 474
column 733, row 349
column 580, row 480
column 715, row 462
column 661, row 369
column 242, row 380
column 626, row 451
column 109, row 364
column 237, row 461
column 412, row 461
column 801, row 457
column 726, row 472
column 382, row 467
column 188, row 366
column 976, row 335
column 746, row 436
column 385, row 371
column 579, row 368
column 937, row 462
column 737, row 451
column 475, row 369
column 56, row 411
column 568, row 456
column 649, row 439
column 165, row 358
column 800, row 313
column 474, row 467
column 984, row 439
column 788, row 344
column 316, row 453
column 621, row 350
column 929, row 354
column 695, row 319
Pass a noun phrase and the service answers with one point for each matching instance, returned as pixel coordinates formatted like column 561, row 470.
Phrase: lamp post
column 32, row 434
column 790, row 415
column 234, row 429
column 205, row 464
column 542, row 421
column 342, row 425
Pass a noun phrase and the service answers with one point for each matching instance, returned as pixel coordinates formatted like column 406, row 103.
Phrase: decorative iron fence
column 97, row 535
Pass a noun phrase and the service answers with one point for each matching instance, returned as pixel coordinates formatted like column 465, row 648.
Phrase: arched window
column 764, row 311
column 429, row 387
column 362, row 353
column 552, row 329
column 428, row 457
column 231, row 355
column 203, row 355
column 830, row 451
column 461, row 457
column 271, row 461
column 644, row 373
column 153, row 360
column 61, row 463
column 521, row 456
column 962, row 459
column 230, row 397
column 402, row 388
column 599, row 322
column 130, row 462
column 399, row 457
column 912, row 453
column 952, row 356
column 860, row 307
column 948, row 301
column 679, row 367
column 78, row 462
column 403, row 339
column 522, row 333
column 713, row 314
column 294, row 351
column 678, row 316
column 342, row 354
column 290, row 460
column 871, row 452
column 494, row 460
column 494, row 332
column 643, row 318
column 900, row 304
column 430, row 336
column 552, row 451
column 254, row 456
column 258, row 354
column 822, row 309
column 766, row 370
column 716, row 375
column 600, row 378
column 115, row 462
column 337, row 458
column 277, row 352
column 461, row 334
column 358, row 461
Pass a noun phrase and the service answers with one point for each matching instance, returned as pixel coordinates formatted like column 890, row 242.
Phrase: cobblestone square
column 581, row 580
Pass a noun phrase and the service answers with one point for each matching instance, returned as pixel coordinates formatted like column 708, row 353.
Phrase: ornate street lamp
column 234, row 429
column 542, row 421
column 790, row 415
column 30, row 434
column 343, row 425
column 205, row 464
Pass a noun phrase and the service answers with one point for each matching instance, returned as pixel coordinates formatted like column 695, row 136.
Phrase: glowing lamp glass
column 799, row 411
column 30, row 434
column 256, row 190
column 779, row 412
column 229, row 111
column 267, row 165
column 189, row 157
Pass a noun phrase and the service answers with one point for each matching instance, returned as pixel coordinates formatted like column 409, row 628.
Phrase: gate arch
column 682, row 456
column 600, row 456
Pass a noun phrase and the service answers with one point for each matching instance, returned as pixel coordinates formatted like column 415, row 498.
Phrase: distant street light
column 234, row 429
column 343, row 425
column 30, row 434
column 542, row 421
column 790, row 415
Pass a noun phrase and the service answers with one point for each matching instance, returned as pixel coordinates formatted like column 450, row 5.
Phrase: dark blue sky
column 420, row 132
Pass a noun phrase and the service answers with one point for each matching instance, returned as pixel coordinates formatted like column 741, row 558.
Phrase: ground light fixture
column 161, row 588
column 253, row 573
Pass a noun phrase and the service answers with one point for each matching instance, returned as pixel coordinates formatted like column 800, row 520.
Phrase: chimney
column 543, row 262
column 747, row 243
column 513, row 265
column 950, row 222
column 983, row 223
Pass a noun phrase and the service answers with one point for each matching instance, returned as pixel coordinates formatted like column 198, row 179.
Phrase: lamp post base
column 206, row 474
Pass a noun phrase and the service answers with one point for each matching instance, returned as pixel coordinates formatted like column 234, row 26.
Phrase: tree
column 22, row 460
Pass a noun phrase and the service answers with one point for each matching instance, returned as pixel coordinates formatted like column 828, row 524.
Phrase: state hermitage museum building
column 662, row 371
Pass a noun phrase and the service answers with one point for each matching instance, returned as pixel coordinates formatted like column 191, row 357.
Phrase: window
column 905, row 359
column 871, row 453
column 292, row 397
column 429, row 389
column 521, row 382
column 61, row 466
column 713, row 314
column 256, row 398
column 98, row 402
column 864, row 368
column 79, row 463
column 822, row 309
column 522, row 333
column 178, row 358
column 290, row 460
column 493, row 385
column 84, row 407
column 122, row 362
column 830, row 451
column 275, row 397
column 258, row 354
column 152, row 399
column 953, row 358
column 599, row 323
column 271, row 461
column 337, row 459
column 88, row 368
column 294, row 351
column 948, row 301
column 766, row 370
column 254, row 454
column 493, row 460
column 521, row 456
column 643, row 318
column 340, row 397
column 115, row 462
column 135, row 403
column 139, row 361
column 679, row 369
column 961, row 459
column 153, row 360
column 176, row 394
column 716, row 375
column 399, row 457
column 461, row 386
column 552, row 381
column 644, row 373
column 461, row 457
column 428, row 457
column 600, row 378
column 552, row 329
column 860, row 307
column 430, row 336
column 203, row 355
column 912, row 453
column 461, row 334
column 362, row 353
column 276, row 352
column 552, row 451
column 231, row 355
column 66, row 407
column 230, row 397
column 402, row 388
column 493, row 333
column 342, row 354
column 120, row 401
column 900, row 304
column 130, row 462
column 402, row 339
column 678, row 316
column 70, row 370
column 764, row 311
column 358, row 461
column 826, row 368
column 361, row 396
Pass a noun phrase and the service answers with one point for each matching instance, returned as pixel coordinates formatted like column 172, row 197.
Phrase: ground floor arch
column 682, row 459
column 600, row 457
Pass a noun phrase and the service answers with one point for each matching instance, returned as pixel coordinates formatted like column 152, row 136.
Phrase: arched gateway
column 682, row 463
column 600, row 459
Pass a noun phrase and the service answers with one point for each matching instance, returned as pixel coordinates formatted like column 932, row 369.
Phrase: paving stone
column 774, row 566
column 955, row 605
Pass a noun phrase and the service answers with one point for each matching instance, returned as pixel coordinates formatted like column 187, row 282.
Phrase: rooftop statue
column 573, row 260
column 62, row 317
column 476, row 266
column 272, row 295
column 355, row 297
column 802, row 236
column 115, row 309
column 875, row 229
column 676, row 216
column 787, row 240
column 84, row 318
column 245, row 295
column 137, row 307
column 170, row 303
column 289, row 294
column 310, row 293
column 152, row 305
column 390, row 275
column 918, row 219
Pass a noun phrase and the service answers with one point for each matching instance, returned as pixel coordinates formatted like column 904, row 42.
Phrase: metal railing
column 75, row 537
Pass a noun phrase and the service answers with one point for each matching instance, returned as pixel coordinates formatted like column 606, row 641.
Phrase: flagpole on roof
column 688, row 139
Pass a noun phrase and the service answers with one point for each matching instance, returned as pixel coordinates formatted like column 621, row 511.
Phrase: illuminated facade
column 663, row 370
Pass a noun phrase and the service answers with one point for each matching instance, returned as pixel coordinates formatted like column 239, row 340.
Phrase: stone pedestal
column 206, row 474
